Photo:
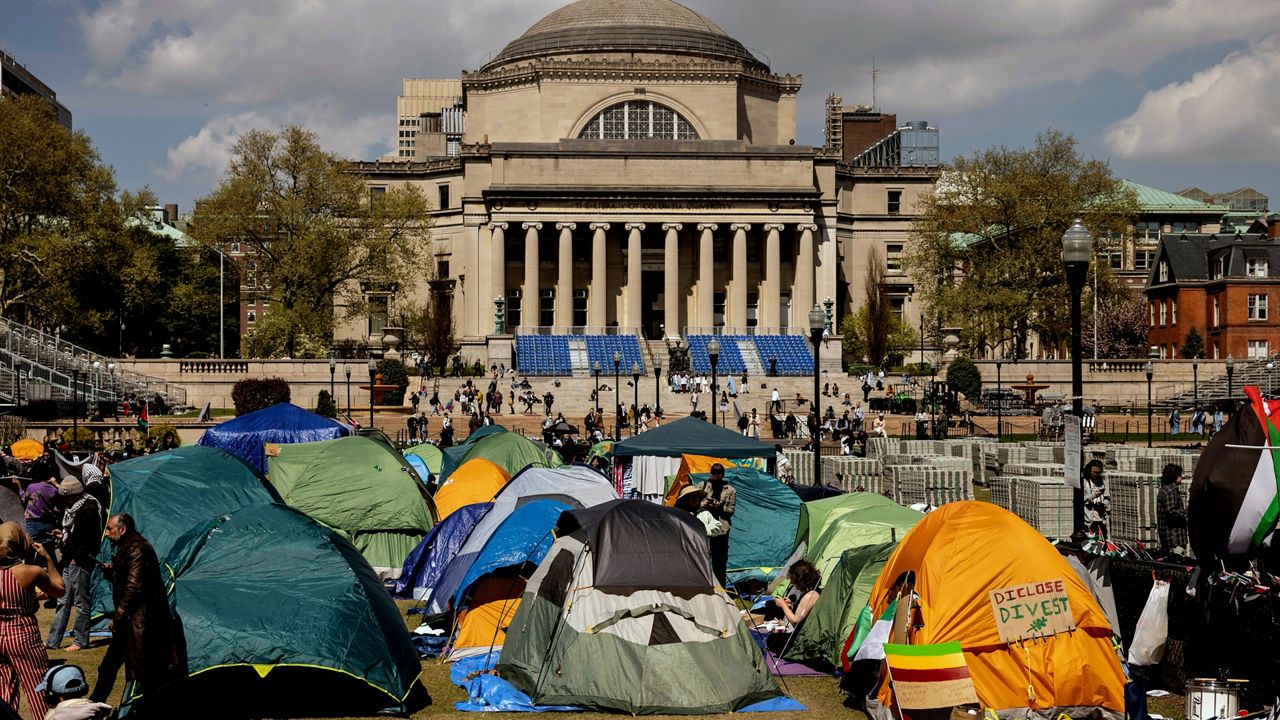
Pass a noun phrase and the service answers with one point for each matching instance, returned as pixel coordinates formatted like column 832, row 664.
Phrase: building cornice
column 929, row 173
column 592, row 69
column 371, row 168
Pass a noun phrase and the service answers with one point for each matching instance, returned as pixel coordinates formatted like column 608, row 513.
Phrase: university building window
column 513, row 308
column 1259, row 349
column 1256, row 267
column 1164, row 313
column 1173, row 312
column 1142, row 259
column 893, row 258
column 638, row 119
column 895, row 202
column 1258, row 307
column 1163, row 271
column 1217, row 312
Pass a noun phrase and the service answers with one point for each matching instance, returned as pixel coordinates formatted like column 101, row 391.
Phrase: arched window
column 636, row 119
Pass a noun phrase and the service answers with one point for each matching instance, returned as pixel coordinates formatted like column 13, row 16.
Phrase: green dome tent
column 358, row 486
column 821, row 636
column 859, row 527
column 430, row 454
column 510, row 451
column 169, row 492
column 284, row 618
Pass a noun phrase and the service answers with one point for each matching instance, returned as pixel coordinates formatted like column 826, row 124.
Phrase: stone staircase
column 578, row 359
column 751, row 358
column 1213, row 389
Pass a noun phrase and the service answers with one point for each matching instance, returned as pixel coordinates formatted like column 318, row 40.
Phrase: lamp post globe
column 817, row 323
column 1077, row 249
column 713, row 355
column 617, row 402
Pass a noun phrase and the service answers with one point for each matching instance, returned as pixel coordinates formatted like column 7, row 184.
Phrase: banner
column 926, row 677
column 1032, row 610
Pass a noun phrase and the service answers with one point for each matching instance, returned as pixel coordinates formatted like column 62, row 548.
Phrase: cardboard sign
column 1031, row 611
column 1074, row 447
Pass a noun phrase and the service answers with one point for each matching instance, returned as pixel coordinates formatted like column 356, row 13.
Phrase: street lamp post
column 1195, row 386
column 713, row 354
column 1150, row 370
column 635, row 398
column 75, row 406
column 816, row 326
column 346, row 369
column 657, row 386
column 1270, row 366
column 333, row 369
column 617, row 403
column 596, row 402
column 373, row 371
column 1231, row 371
column 1077, row 247
column 999, row 402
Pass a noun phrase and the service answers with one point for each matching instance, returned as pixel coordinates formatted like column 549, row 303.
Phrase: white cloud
column 1226, row 113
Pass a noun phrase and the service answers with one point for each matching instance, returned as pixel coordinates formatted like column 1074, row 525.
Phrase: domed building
column 627, row 167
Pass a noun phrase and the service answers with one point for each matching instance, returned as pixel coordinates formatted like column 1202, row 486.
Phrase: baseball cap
column 64, row 680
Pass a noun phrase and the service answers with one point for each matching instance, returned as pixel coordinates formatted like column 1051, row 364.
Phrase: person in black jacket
column 78, row 538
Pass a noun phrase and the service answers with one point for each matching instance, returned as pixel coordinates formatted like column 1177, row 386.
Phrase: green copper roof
column 1153, row 199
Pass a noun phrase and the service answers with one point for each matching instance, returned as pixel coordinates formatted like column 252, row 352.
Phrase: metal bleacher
column 600, row 349
column 549, row 354
column 791, row 351
column 730, row 354
column 543, row 355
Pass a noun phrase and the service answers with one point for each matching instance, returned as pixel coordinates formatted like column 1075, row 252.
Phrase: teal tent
column 764, row 524
column 169, row 492
column 694, row 437
column 284, row 618
column 453, row 456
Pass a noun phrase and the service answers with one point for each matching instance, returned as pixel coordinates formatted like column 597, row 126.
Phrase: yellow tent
column 961, row 552
column 27, row 449
column 475, row 481
column 691, row 465
column 482, row 625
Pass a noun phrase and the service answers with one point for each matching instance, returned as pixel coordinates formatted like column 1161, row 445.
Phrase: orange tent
column 691, row 465
column 27, row 449
column 962, row 551
column 482, row 625
column 475, row 481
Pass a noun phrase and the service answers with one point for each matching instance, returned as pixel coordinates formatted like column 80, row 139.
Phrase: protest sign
column 1032, row 610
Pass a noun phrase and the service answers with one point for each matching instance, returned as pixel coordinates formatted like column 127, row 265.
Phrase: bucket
column 1208, row 698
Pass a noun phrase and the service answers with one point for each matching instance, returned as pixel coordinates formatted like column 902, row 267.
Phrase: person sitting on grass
column 796, row 605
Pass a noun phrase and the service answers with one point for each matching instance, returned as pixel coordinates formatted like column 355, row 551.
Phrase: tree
column 875, row 331
column 1122, row 328
column 321, row 240
column 57, row 209
column 1193, row 345
column 963, row 375
column 986, row 249
column 428, row 329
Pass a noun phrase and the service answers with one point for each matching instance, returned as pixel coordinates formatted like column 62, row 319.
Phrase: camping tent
column 475, row 481
column 760, row 536
column 361, row 487
column 169, row 492
column 510, row 451
column 284, row 618
column 424, row 566
column 430, row 454
column 451, row 457
column 576, row 485
column 490, row 592
column 691, row 465
column 961, row 552
column 282, row 423
column 692, row 436
column 821, row 636
column 862, row 519
column 623, row 614
column 816, row 514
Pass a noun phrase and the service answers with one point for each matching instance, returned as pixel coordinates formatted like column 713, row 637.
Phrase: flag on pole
column 1234, row 502
column 925, row 677
column 144, row 420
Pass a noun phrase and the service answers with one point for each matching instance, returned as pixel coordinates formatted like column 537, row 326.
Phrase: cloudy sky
column 1174, row 93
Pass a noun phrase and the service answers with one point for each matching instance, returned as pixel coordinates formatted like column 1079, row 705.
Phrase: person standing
column 1097, row 501
column 1175, row 421
column 144, row 636
column 1171, row 511
column 79, row 539
column 23, row 658
column 720, row 500
column 775, row 402
column 41, row 514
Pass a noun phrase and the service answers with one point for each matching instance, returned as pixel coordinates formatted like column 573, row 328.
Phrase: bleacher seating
column 792, row 352
column 730, row 362
column 543, row 355
column 600, row 349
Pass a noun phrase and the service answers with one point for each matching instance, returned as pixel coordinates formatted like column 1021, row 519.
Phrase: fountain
column 1030, row 388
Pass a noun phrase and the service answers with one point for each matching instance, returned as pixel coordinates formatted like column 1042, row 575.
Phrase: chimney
column 171, row 213
column 1273, row 226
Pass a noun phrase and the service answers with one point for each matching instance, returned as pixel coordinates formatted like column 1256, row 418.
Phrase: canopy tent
column 690, row 465
column 490, row 592
column 430, row 454
column 962, row 551
column 510, row 451
column 26, row 449
column 167, row 493
column 576, row 485
column 623, row 614
column 760, row 536
column 426, row 563
column 822, row 635
column 361, row 487
column 695, row 437
column 282, row 423
column 284, row 618
column 475, row 481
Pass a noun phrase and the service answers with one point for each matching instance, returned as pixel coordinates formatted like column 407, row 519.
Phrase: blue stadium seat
column 791, row 352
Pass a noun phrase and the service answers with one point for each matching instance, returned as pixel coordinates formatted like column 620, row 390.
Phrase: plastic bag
column 1147, row 647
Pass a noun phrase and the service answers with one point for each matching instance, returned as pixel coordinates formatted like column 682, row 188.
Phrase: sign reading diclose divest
column 1033, row 610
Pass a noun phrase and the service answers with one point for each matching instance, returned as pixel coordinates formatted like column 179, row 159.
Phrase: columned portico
column 771, row 280
column 529, row 291
column 802, row 301
column 632, row 303
column 498, row 260
column 706, row 274
column 564, row 275
column 738, row 280
column 671, row 280
column 596, row 295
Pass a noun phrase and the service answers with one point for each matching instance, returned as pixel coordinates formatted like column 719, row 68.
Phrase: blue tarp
column 524, row 537
column 763, row 531
column 426, row 563
column 490, row 693
column 283, row 423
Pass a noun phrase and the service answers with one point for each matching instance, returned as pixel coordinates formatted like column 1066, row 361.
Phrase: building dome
column 660, row 26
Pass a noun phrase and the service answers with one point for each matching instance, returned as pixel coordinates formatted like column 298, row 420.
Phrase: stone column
column 671, row 280
column 632, row 303
column 706, row 275
column 738, row 280
column 771, row 284
column 802, row 302
column 825, row 279
column 564, row 276
column 498, row 261
column 529, row 292
column 598, row 293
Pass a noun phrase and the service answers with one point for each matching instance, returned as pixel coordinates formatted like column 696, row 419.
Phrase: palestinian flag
column 1234, row 501
column 929, row 676
column 869, row 635
column 144, row 419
